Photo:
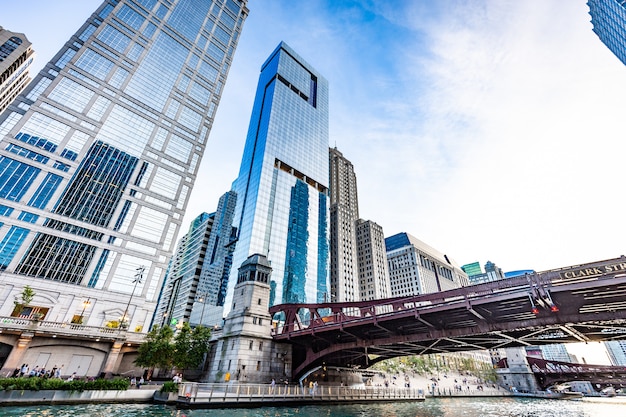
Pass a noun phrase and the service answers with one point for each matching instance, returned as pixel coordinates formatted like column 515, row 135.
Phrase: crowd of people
column 25, row 371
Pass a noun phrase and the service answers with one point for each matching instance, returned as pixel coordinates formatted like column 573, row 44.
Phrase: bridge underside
column 592, row 310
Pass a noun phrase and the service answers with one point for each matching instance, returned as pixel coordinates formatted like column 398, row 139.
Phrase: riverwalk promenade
column 206, row 395
column 209, row 395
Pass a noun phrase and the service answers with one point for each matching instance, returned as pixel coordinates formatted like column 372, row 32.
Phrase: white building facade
column 416, row 268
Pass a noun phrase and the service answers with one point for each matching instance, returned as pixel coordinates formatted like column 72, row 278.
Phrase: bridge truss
column 576, row 304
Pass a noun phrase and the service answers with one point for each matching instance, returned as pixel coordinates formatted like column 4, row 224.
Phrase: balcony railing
column 52, row 328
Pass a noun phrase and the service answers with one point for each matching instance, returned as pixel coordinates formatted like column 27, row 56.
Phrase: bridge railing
column 192, row 392
column 297, row 317
column 66, row 329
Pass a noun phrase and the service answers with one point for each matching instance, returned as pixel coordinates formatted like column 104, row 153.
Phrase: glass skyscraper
column 99, row 154
column 609, row 23
column 282, row 188
column 195, row 283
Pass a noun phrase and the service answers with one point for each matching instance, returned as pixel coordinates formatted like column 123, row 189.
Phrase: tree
column 25, row 298
column 190, row 346
column 157, row 351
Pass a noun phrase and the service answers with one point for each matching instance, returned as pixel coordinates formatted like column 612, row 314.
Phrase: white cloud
column 518, row 157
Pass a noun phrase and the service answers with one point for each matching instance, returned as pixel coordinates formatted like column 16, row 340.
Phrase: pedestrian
column 311, row 388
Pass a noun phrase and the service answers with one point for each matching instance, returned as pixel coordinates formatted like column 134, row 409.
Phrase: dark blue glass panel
column 297, row 238
column 45, row 191
column 96, row 188
column 57, row 259
column 5, row 210
column 10, row 244
column 322, row 250
column 9, row 46
column 96, row 273
column 15, row 178
column 28, row 217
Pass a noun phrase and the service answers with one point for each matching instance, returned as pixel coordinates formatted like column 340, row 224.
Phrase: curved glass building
column 282, row 187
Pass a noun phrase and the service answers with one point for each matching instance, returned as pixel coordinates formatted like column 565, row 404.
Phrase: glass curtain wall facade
column 282, row 188
column 99, row 154
column 609, row 23
column 195, row 284
column 179, row 292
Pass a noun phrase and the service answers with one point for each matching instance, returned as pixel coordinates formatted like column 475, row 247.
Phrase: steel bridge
column 580, row 303
column 553, row 372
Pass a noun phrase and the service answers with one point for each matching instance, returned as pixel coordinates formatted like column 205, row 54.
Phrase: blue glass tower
column 99, row 154
column 282, row 188
column 609, row 23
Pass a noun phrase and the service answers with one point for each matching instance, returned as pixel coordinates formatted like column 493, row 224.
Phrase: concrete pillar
column 112, row 360
column 16, row 357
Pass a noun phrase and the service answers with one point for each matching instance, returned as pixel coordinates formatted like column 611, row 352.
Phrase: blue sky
column 492, row 130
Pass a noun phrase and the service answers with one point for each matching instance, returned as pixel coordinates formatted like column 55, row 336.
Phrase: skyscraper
column 358, row 260
column 282, row 187
column 16, row 56
column 373, row 269
column 609, row 23
column 100, row 152
column 195, row 283
column 344, row 213
column 179, row 292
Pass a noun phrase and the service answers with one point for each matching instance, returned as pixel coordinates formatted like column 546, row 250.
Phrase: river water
column 432, row 407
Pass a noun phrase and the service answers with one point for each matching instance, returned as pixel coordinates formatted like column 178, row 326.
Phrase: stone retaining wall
column 18, row 397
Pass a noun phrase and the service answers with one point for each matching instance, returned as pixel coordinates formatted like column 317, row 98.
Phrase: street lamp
column 136, row 280
column 202, row 299
column 86, row 304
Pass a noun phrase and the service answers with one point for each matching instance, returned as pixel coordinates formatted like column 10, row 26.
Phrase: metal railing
column 209, row 393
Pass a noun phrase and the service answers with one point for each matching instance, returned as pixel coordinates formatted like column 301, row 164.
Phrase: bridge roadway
column 581, row 303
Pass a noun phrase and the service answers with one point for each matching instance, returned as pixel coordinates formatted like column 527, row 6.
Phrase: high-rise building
column 477, row 276
column 556, row 352
column 99, row 155
column 609, row 23
column 358, row 260
column 179, row 291
column 344, row 213
column 215, row 273
column 416, row 268
column 16, row 56
column 373, row 269
column 195, row 283
column 616, row 350
column 282, row 188
column 472, row 269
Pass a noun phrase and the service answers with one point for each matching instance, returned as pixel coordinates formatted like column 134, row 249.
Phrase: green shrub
column 36, row 384
column 169, row 386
